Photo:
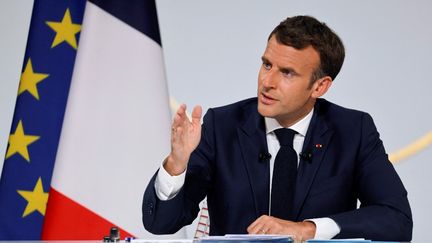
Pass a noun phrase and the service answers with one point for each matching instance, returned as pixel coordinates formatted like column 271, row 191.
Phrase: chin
column 265, row 111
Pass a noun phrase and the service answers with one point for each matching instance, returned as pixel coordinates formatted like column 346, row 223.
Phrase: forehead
column 287, row 56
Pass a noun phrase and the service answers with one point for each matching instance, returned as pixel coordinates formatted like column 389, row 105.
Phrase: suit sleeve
column 167, row 217
column 384, row 213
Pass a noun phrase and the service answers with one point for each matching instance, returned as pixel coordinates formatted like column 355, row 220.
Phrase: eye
column 288, row 73
column 266, row 65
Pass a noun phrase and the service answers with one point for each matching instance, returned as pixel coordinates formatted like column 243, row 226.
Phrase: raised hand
column 185, row 137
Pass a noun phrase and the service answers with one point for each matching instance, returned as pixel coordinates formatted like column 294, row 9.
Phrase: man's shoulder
column 326, row 107
column 336, row 115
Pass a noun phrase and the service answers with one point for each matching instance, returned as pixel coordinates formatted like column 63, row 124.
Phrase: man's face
column 284, row 90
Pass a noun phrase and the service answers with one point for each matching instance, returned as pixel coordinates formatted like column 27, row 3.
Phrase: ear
column 320, row 87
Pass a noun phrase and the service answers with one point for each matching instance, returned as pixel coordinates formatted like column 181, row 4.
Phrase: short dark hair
column 303, row 31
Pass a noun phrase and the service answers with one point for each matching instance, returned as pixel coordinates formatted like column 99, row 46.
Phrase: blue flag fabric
column 38, row 117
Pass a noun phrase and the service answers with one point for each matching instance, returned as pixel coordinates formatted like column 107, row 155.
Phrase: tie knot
column 285, row 136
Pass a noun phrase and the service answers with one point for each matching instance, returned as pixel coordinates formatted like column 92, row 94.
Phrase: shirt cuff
column 166, row 185
column 326, row 228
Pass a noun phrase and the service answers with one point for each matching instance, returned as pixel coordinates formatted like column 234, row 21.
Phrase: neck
column 291, row 119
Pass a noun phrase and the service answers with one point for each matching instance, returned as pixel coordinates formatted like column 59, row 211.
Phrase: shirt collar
column 300, row 126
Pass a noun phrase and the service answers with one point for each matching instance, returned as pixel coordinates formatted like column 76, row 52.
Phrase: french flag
column 116, row 125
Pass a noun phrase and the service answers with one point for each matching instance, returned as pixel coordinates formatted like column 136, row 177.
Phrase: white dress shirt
column 167, row 186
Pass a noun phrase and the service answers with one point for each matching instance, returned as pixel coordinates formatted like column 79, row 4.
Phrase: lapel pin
column 318, row 145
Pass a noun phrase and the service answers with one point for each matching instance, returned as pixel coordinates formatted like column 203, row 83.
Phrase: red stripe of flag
column 69, row 220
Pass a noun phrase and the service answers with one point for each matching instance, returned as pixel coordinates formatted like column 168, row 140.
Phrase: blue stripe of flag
column 139, row 14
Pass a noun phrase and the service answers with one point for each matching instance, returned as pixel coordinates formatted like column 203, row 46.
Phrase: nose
column 268, row 79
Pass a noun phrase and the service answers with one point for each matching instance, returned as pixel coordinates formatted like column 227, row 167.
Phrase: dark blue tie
column 284, row 176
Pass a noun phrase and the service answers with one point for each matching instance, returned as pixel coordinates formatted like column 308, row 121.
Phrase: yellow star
column 29, row 80
column 65, row 30
column 36, row 199
column 19, row 141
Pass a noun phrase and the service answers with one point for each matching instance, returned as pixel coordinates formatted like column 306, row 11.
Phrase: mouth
column 266, row 99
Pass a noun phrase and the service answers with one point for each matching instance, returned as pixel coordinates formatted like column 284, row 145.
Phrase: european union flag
column 38, row 117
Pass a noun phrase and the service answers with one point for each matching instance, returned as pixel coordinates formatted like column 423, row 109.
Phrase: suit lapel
column 252, row 141
column 316, row 142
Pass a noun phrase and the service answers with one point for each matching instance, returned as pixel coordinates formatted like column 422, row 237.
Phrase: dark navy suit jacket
column 348, row 162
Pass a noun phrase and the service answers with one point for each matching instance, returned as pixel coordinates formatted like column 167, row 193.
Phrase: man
column 241, row 161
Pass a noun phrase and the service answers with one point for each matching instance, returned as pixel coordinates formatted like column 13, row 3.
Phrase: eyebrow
column 263, row 59
column 288, row 70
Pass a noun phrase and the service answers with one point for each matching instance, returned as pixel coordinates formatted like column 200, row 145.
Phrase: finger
column 180, row 116
column 256, row 226
column 196, row 115
column 252, row 226
column 181, row 112
column 259, row 229
column 254, row 230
